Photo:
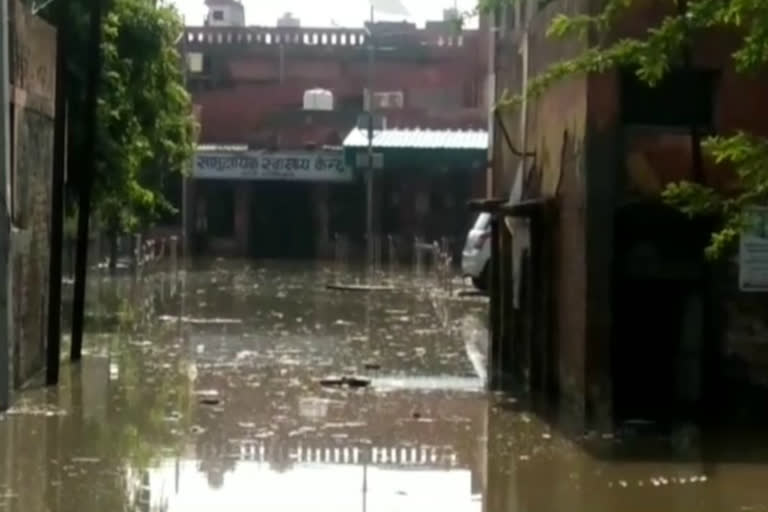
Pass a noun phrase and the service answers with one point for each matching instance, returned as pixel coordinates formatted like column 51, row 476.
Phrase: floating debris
column 332, row 381
column 27, row 410
column 207, row 393
column 359, row 287
column 351, row 381
column 201, row 321
column 85, row 460
column 208, row 397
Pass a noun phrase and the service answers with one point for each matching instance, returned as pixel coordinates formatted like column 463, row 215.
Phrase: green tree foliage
column 145, row 124
column 652, row 56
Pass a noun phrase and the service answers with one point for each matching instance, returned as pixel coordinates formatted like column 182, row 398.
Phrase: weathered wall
column 556, row 134
column 630, row 162
column 247, row 81
column 508, row 78
column 33, row 65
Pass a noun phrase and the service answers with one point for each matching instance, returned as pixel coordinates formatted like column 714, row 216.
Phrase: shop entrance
column 281, row 223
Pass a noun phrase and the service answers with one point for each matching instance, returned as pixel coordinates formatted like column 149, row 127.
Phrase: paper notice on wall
column 753, row 252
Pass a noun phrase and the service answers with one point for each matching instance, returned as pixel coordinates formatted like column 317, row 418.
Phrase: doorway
column 659, row 332
column 281, row 224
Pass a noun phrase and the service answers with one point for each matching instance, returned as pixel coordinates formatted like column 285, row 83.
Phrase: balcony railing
column 318, row 37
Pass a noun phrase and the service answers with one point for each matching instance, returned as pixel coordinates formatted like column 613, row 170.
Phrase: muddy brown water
column 203, row 393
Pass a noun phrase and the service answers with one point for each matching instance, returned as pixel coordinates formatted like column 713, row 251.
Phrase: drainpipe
column 518, row 228
column 516, row 194
column 6, row 341
column 491, row 97
column 524, row 110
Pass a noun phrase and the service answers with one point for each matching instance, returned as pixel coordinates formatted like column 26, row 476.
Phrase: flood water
column 206, row 392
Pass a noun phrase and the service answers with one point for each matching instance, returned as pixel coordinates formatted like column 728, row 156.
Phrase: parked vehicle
column 476, row 255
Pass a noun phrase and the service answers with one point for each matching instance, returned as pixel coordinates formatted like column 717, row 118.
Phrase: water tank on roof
column 288, row 21
column 318, row 99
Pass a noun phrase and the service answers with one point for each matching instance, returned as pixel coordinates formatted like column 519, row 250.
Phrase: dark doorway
column 281, row 224
column 646, row 348
column 219, row 198
column 659, row 317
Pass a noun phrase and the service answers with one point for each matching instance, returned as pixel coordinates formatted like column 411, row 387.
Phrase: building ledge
column 505, row 208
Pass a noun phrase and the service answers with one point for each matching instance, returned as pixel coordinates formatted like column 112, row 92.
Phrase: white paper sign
column 753, row 253
column 325, row 166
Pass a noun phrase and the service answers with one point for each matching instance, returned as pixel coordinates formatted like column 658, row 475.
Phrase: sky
column 324, row 13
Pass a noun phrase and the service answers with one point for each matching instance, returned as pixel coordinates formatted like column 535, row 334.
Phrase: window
column 390, row 99
column 680, row 99
column 218, row 15
column 195, row 62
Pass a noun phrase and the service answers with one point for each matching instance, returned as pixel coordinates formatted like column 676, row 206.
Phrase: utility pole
column 6, row 304
column 185, row 229
column 369, row 178
column 86, row 182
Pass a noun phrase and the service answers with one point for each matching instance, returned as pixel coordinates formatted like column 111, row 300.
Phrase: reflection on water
column 214, row 402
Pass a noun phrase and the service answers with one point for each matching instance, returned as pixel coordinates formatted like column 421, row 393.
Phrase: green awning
column 440, row 150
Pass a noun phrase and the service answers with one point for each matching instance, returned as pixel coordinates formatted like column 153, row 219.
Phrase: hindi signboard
column 326, row 166
column 753, row 252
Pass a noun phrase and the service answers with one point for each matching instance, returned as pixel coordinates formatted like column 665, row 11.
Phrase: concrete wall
column 33, row 75
column 556, row 128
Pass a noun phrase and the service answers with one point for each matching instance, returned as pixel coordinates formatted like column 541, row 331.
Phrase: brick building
column 602, row 298
column 249, row 84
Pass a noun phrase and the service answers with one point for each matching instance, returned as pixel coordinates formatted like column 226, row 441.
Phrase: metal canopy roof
column 419, row 139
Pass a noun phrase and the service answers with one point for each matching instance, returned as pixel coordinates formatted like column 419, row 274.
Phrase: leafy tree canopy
column 652, row 56
column 145, row 124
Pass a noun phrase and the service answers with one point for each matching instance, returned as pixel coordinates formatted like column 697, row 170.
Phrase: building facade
column 602, row 299
column 251, row 86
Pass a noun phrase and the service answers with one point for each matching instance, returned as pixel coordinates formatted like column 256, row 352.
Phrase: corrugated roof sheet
column 419, row 139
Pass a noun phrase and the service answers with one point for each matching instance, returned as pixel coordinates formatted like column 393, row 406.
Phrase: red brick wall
column 652, row 160
column 247, row 87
